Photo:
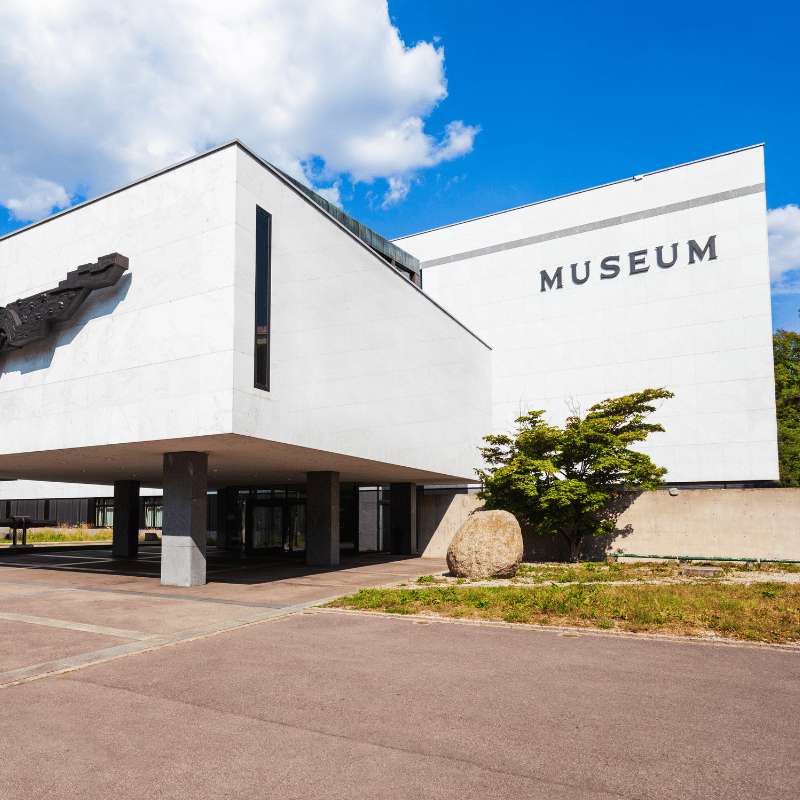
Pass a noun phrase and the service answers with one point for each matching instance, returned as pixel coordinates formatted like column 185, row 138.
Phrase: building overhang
column 233, row 460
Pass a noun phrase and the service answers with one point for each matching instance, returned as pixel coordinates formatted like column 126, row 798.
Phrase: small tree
column 786, row 349
column 562, row 480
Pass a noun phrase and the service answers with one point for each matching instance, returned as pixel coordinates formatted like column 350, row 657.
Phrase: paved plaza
column 67, row 607
column 240, row 688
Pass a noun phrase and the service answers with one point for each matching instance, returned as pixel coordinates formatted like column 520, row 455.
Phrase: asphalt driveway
column 242, row 689
column 338, row 705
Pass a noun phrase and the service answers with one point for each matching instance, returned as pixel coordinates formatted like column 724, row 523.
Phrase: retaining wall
column 697, row 523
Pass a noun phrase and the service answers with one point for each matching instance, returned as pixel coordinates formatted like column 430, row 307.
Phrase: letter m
column 550, row 282
column 694, row 250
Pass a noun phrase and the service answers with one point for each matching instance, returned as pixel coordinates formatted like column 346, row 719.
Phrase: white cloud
column 399, row 187
column 331, row 193
column 100, row 92
column 784, row 248
column 38, row 199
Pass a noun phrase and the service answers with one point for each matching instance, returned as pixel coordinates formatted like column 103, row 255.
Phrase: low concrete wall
column 438, row 519
column 698, row 523
column 720, row 523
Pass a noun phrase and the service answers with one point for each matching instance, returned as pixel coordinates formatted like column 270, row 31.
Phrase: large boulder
column 488, row 544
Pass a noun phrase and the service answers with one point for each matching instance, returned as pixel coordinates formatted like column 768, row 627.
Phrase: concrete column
column 126, row 520
column 183, row 542
column 403, row 518
column 322, row 519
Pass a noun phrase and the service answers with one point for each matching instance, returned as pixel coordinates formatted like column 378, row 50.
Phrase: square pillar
column 126, row 520
column 183, row 535
column 322, row 519
column 403, row 518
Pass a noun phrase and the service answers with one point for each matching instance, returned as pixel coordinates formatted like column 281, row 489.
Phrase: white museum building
column 224, row 347
column 656, row 280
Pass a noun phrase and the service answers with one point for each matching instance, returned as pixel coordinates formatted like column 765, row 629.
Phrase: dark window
column 104, row 512
column 263, row 238
column 250, row 524
column 348, row 516
column 153, row 508
column 384, row 533
column 212, row 498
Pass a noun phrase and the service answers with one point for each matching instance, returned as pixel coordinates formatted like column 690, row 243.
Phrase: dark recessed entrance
column 275, row 526
column 271, row 521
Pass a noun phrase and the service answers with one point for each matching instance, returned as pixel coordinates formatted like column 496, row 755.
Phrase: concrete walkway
column 62, row 609
column 232, row 690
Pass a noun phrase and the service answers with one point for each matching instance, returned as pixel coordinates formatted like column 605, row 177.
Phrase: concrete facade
column 369, row 377
column 388, row 368
column 577, row 299
column 364, row 365
column 715, row 523
column 658, row 280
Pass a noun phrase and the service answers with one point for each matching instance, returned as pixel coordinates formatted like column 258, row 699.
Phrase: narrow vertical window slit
column 262, row 321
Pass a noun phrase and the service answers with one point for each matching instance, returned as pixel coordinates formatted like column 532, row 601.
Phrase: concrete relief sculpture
column 30, row 319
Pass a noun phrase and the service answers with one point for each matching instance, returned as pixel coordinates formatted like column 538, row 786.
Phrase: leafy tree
column 564, row 480
column 786, row 349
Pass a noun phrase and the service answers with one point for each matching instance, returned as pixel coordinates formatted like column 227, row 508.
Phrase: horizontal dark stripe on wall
column 603, row 223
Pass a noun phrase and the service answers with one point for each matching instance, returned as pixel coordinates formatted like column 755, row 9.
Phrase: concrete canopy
column 232, row 461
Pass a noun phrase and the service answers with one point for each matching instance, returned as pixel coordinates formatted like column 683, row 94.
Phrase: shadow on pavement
column 221, row 567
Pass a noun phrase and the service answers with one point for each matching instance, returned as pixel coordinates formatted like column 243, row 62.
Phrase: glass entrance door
column 277, row 526
column 296, row 540
column 267, row 526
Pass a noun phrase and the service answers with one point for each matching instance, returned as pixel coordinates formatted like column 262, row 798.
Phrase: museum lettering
column 637, row 263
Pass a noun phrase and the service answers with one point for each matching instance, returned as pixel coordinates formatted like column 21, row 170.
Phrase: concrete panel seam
column 161, row 596
column 77, row 626
column 63, row 666
column 605, row 223
column 30, row 594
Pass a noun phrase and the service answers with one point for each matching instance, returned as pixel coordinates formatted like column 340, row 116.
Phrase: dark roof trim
column 391, row 252
column 377, row 242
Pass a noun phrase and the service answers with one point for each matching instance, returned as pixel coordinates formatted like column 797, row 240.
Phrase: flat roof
column 388, row 252
column 372, row 239
column 579, row 191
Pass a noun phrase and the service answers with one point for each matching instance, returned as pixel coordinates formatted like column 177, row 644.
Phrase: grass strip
column 70, row 535
column 759, row 612
column 638, row 571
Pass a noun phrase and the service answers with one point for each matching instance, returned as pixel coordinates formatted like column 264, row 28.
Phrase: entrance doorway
column 275, row 526
column 271, row 520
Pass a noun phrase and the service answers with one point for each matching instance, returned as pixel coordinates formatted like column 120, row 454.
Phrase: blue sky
column 571, row 95
column 565, row 96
